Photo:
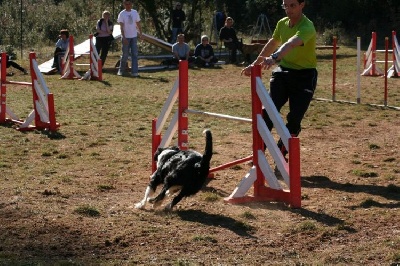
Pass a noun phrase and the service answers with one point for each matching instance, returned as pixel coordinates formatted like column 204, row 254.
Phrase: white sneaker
column 119, row 73
column 135, row 75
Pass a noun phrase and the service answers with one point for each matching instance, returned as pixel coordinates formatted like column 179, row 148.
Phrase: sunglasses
column 291, row 6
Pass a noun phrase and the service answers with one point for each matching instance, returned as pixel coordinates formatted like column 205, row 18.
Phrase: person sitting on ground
column 61, row 46
column 227, row 34
column 104, row 37
column 181, row 50
column 9, row 63
column 204, row 53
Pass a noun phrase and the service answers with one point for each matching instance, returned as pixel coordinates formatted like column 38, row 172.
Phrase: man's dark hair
column 300, row 1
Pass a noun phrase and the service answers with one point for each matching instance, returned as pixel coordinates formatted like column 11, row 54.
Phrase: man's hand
column 267, row 62
column 246, row 71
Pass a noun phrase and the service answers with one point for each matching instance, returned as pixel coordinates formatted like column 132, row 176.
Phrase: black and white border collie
column 178, row 170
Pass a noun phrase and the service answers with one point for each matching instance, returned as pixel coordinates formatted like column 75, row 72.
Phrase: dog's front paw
column 156, row 204
column 168, row 207
column 139, row 205
column 151, row 200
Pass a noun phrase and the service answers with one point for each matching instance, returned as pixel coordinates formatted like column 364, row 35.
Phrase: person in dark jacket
column 104, row 37
column 227, row 34
column 9, row 63
column 178, row 17
column 204, row 53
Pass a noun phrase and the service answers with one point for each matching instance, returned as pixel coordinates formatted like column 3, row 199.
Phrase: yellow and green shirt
column 301, row 57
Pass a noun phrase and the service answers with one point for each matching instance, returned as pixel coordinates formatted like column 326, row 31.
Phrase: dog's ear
column 158, row 151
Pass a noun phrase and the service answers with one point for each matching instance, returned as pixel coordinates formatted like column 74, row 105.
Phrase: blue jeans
column 175, row 32
column 133, row 49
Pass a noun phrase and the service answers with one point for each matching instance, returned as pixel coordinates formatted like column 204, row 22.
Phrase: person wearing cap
column 61, row 46
column 204, row 53
column 294, row 79
column 178, row 17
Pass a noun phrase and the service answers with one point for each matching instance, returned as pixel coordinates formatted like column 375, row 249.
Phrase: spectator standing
column 295, row 78
column 129, row 21
column 204, row 53
column 219, row 20
column 228, row 35
column 104, row 37
column 61, row 46
column 178, row 17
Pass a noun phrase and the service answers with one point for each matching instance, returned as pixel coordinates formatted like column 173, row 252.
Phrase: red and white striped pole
column 183, row 105
column 258, row 143
column 373, row 54
column 3, row 87
column 90, row 54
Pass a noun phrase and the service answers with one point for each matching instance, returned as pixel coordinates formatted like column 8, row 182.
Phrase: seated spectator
column 61, row 46
column 181, row 50
column 9, row 63
column 204, row 53
column 227, row 34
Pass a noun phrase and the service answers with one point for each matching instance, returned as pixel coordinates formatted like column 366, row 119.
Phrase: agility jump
column 369, row 62
column 67, row 62
column 261, row 176
column 43, row 113
column 370, row 58
column 95, row 71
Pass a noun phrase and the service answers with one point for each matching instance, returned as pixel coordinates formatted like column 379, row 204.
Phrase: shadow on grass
column 390, row 192
column 216, row 220
column 324, row 219
column 52, row 135
column 106, row 83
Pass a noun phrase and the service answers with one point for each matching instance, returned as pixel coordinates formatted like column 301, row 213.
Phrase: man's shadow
column 390, row 192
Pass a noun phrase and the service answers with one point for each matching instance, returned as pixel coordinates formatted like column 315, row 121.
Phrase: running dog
column 178, row 170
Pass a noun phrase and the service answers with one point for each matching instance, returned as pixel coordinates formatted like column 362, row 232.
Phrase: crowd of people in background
column 129, row 21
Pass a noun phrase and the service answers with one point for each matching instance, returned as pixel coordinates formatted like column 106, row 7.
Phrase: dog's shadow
column 216, row 220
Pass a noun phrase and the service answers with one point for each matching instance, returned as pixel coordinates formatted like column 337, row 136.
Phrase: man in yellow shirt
column 295, row 77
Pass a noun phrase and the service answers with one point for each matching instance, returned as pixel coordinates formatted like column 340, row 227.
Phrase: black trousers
column 233, row 47
column 102, row 47
column 58, row 53
column 295, row 86
column 202, row 63
column 15, row 65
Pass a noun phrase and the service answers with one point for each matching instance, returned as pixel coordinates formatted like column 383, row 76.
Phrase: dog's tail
column 208, row 151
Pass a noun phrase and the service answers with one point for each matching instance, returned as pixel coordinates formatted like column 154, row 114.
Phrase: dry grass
column 67, row 198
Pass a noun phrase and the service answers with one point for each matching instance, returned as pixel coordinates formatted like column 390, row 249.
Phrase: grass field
column 67, row 198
